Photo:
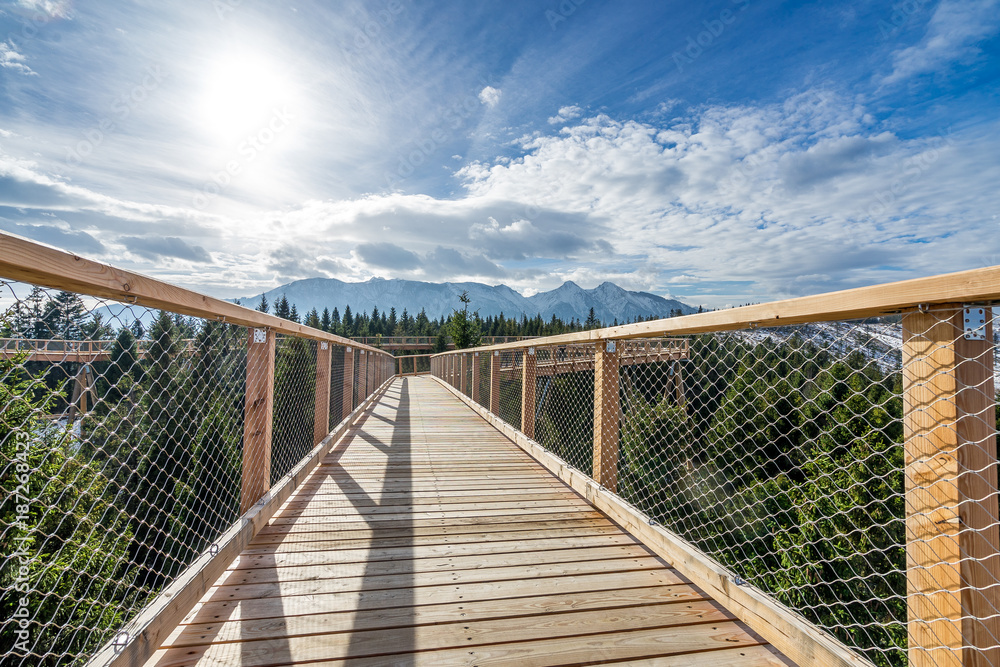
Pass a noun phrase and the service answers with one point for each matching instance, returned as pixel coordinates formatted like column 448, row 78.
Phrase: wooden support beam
column 495, row 382
column 528, row 392
column 475, row 376
column 257, row 417
column 607, row 415
column 348, row 380
column 324, row 365
column 679, row 384
column 952, row 539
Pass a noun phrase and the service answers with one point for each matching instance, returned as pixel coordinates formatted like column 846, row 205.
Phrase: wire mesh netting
column 294, row 403
column 122, row 455
column 509, row 390
column 779, row 453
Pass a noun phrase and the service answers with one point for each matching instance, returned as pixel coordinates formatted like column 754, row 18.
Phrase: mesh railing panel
column 294, row 403
column 511, row 366
column 482, row 361
column 564, row 403
column 336, row 387
column 780, row 454
column 120, row 462
column 122, row 455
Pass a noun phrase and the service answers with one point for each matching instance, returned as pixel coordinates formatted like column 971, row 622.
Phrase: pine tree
column 263, row 306
column 281, row 308
column 325, row 323
column 64, row 316
column 465, row 330
column 138, row 329
column 422, row 324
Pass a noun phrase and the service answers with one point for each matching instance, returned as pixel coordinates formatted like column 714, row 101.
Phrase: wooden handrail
column 973, row 286
column 30, row 262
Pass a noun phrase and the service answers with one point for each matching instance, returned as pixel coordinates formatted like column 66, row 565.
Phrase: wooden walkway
column 428, row 538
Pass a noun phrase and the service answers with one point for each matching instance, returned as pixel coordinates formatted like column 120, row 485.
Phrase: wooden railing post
column 463, row 370
column 348, row 381
column 258, row 412
column 324, row 362
column 528, row 393
column 607, row 414
column 475, row 377
column 952, row 539
column 414, row 364
column 495, row 382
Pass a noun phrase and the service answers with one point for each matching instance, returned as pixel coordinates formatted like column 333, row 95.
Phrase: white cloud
column 773, row 196
column 490, row 96
column 804, row 196
column 952, row 34
column 14, row 61
column 51, row 9
column 566, row 114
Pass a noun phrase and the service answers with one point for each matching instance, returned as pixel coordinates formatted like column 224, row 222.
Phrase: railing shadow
column 391, row 535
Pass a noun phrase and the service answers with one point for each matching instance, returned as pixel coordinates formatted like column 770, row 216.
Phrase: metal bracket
column 323, row 345
column 531, row 351
column 975, row 322
column 260, row 335
column 611, row 347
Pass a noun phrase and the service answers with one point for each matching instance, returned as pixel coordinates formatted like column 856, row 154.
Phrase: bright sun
column 242, row 93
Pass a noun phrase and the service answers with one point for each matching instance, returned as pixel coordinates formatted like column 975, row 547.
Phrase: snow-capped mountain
column 569, row 301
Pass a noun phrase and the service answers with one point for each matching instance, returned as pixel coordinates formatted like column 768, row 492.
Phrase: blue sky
column 719, row 152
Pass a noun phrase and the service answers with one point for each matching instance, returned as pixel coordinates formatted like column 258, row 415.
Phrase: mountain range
column 609, row 301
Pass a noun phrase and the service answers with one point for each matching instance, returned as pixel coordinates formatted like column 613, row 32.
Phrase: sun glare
column 241, row 93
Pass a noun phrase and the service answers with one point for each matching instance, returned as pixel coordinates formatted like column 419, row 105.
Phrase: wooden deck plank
column 359, row 643
column 403, row 540
column 428, row 538
column 353, row 619
column 510, row 590
column 363, row 531
column 520, row 543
